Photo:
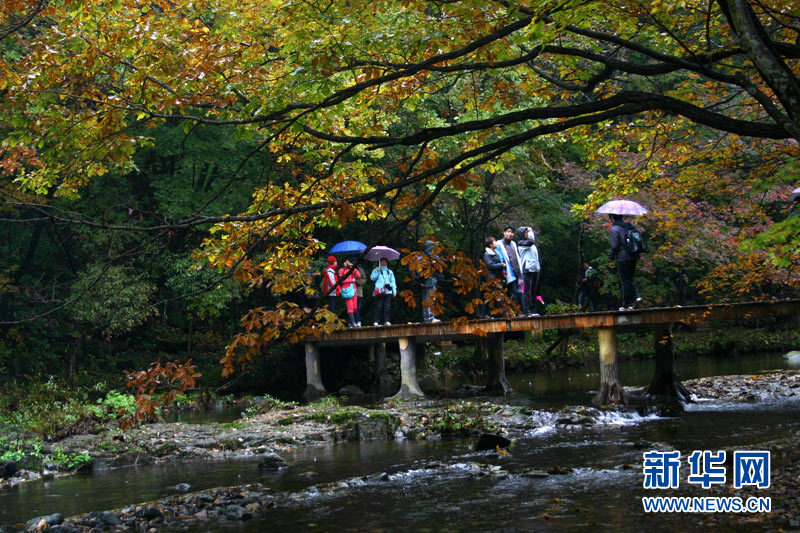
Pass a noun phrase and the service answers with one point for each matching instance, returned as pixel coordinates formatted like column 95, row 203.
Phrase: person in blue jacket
column 385, row 289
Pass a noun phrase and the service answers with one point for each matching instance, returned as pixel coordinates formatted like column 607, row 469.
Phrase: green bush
column 45, row 408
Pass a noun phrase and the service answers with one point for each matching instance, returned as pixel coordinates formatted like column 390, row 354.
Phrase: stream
column 434, row 485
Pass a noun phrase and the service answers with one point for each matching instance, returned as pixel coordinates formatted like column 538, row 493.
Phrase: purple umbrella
column 622, row 207
column 376, row 253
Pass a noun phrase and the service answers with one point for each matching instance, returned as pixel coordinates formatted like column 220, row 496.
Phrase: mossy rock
column 165, row 448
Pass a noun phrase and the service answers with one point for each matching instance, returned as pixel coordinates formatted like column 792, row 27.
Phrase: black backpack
column 634, row 243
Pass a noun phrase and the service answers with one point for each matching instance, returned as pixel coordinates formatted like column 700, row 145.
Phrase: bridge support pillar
column 498, row 384
column 314, row 387
column 409, row 386
column 665, row 380
column 381, row 381
column 611, row 390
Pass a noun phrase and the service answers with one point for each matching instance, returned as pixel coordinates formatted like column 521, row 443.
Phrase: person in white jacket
column 530, row 266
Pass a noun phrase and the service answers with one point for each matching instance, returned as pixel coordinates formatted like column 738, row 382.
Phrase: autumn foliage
column 373, row 111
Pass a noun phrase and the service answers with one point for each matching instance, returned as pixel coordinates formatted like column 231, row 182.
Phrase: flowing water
column 434, row 484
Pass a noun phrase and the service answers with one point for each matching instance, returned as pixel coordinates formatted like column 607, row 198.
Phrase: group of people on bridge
column 513, row 259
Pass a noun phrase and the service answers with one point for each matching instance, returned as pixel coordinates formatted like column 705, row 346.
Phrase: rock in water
column 487, row 441
column 49, row 520
column 106, row 517
column 8, row 469
column 793, row 357
column 182, row 487
column 272, row 461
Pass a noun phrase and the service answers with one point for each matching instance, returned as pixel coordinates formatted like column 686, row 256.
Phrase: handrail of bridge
column 622, row 320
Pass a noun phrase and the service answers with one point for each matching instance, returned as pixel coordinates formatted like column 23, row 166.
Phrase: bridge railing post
column 314, row 387
column 409, row 386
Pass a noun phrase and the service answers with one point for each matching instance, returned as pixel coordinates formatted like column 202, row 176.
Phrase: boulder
column 487, row 441
column 351, row 391
column 49, row 520
column 8, row 469
column 151, row 512
column 793, row 357
column 182, row 487
column 106, row 517
column 272, row 461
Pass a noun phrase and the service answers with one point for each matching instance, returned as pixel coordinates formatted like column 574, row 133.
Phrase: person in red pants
column 348, row 275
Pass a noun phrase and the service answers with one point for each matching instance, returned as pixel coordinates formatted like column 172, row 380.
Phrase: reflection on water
column 574, row 384
column 599, row 492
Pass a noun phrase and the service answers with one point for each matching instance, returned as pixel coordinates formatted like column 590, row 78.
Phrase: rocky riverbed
column 269, row 435
column 278, row 431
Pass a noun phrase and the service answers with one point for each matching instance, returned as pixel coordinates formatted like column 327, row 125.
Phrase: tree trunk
column 381, row 382
column 72, row 359
column 498, row 384
column 611, row 390
column 409, row 386
column 665, row 380
column 314, row 387
column 189, row 342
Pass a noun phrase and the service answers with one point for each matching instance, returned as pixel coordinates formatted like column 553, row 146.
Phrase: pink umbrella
column 376, row 253
column 622, row 207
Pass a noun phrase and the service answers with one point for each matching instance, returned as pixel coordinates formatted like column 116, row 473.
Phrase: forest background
column 172, row 173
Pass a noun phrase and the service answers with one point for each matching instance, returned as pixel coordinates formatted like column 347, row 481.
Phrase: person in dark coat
column 626, row 262
column 495, row 269
column 588, row 288
column 508, row 249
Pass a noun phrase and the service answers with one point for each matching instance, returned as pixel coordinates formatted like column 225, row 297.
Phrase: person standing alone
column 626, row 257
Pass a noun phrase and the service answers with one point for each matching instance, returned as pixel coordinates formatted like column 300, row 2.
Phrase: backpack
column 634, row 243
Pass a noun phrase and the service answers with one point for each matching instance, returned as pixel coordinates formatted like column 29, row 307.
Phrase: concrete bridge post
column 314, row 387
column 409, row 386
column 611, row 390
column 498, row 384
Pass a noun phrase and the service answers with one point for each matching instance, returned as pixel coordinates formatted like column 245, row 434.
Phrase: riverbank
column 280, row 431
column 279, row 427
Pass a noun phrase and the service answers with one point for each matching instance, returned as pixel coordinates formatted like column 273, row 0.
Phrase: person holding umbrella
column 626, row 245
column 385, row 288
column 626, row 259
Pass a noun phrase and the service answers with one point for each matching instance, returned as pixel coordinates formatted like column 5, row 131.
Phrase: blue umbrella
column 348, row 247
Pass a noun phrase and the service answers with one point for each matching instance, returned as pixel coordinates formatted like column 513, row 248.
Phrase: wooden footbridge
column 659, row 320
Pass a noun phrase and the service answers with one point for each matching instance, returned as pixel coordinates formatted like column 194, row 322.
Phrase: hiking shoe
column 623, row 308
column 387, row 323
column 375, row 324
column 433, row 321
column 533, row 314
column 630, row 309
